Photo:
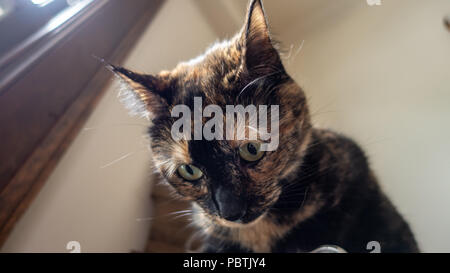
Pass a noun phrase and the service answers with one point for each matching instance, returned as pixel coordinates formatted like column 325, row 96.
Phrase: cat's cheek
column 207, row 206
column 190, row 190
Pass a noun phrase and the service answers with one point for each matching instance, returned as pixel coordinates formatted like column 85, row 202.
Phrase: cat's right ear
column 143, row 94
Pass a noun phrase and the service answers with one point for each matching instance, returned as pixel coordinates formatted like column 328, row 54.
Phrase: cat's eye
column 251, row 151
column 190, row 172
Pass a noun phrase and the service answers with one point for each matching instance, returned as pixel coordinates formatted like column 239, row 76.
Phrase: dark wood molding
column 46, row 102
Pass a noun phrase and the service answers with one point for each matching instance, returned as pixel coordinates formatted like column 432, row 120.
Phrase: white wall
column 89, row 198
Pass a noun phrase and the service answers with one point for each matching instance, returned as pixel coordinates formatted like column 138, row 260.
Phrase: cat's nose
column 231, row 207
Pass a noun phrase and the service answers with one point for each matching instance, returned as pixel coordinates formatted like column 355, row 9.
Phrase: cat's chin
column 201, row 216
column 248, row 221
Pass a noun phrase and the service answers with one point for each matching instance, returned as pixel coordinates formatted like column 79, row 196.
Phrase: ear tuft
column 144, row 95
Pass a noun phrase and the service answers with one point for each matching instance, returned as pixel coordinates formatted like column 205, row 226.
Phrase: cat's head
column 232, row 180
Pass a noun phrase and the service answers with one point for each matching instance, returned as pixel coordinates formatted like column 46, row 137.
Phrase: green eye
column 190, row 172
column 250, row 151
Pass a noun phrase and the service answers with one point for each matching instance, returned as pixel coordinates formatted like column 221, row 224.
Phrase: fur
column 316, row 188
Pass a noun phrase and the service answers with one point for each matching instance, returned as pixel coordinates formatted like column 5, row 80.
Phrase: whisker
column 117, row 160
column 145, row 219
column 181, row 211
column 174, row 215
column 183, row 215
column 299, row 48
column 290, row 52
column 256, row 80
column 103, row 126
column 304, row 198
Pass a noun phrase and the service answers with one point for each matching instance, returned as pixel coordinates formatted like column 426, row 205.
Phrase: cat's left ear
column 261, row 57
column 145, row 95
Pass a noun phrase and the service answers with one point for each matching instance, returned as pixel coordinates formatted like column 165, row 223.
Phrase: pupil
column 252, row 149
column 189, row 170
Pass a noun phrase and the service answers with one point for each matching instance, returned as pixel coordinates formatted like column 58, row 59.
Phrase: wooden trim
column 68, row 85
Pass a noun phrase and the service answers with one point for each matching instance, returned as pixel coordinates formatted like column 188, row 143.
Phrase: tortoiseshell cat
column 316, row 188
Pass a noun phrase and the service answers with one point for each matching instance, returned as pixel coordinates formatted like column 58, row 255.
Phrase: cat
column 315, row 189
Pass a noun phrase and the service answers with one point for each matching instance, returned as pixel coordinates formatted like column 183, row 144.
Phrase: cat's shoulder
column 340, row 148
column 335, row 140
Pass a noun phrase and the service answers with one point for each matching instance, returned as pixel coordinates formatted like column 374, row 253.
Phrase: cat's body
column 334, row 200
column 315, row 188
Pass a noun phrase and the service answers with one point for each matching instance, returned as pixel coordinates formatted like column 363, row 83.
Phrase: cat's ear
column 143, row 94
column 261, row 57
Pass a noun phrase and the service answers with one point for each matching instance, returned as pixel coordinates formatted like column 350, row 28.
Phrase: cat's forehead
column 217, row 68
column 222, row 53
